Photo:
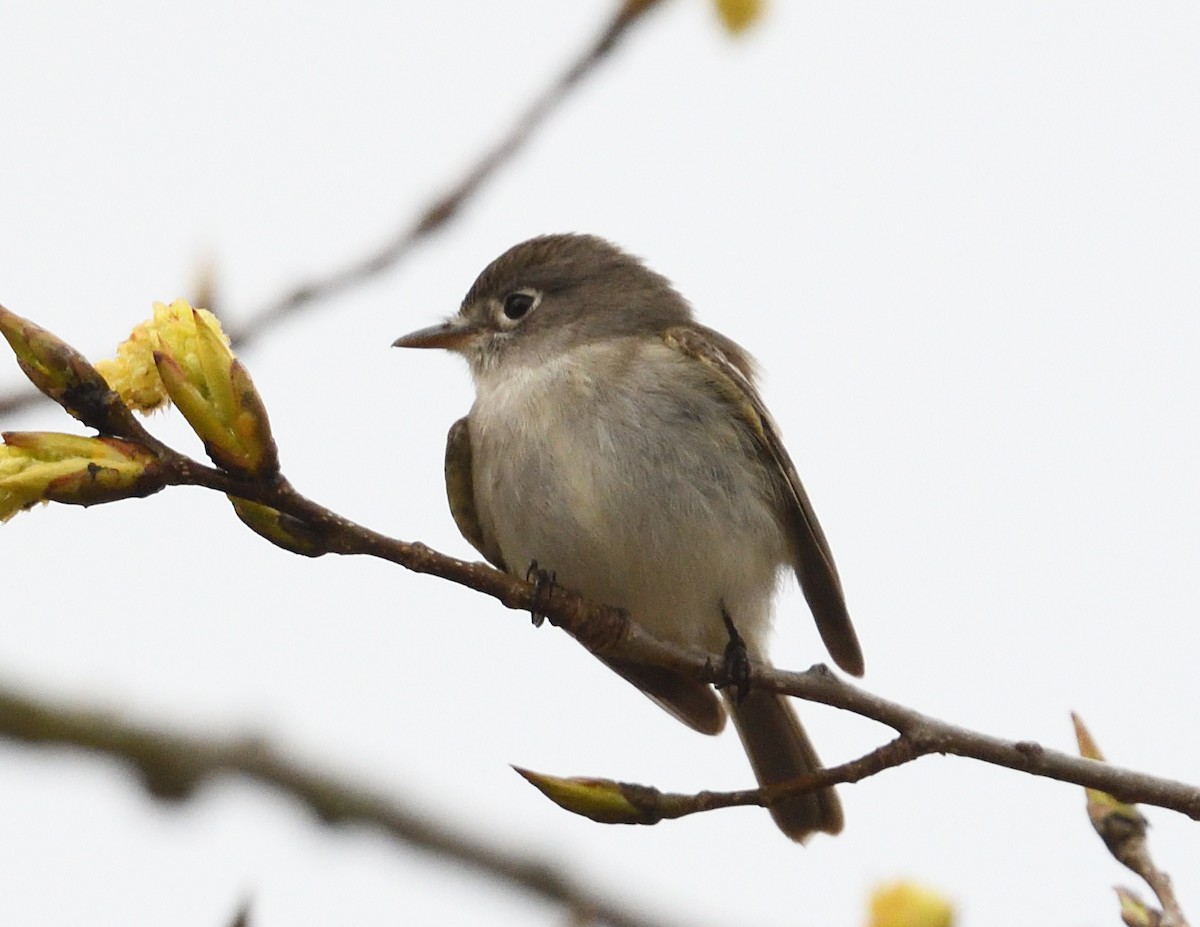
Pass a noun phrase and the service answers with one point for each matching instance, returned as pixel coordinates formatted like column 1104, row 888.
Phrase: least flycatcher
column 624, row 447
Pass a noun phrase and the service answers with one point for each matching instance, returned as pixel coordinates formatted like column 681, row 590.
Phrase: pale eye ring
column 519, row 303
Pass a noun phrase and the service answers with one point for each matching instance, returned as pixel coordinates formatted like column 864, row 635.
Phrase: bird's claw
column 734, row 672
column 543, row 589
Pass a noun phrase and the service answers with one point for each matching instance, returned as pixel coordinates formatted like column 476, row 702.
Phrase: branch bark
column 607, row 631
column 171, row 766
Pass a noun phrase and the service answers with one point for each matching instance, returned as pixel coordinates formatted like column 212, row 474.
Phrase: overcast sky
column 962, row 240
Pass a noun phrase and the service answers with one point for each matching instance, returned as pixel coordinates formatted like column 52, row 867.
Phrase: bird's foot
column 734, row 672
column 543, row 589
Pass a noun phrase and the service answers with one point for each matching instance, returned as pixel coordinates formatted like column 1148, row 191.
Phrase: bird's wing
column 730, row 370
column 460, row 491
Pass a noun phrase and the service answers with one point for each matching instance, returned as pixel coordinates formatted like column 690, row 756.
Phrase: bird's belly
column 639, row 514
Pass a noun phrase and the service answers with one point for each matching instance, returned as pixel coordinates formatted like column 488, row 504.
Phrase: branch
column 440, row 211
column 607, row 631
column 920, row 735
column 930, row 735
column 171, row 766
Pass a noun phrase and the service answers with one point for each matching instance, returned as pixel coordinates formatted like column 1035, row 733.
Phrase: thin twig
column 930, row 735
column 438, row 213
column 922, row 735
column 1160, row 883
column 645, row 804
column 171, row 766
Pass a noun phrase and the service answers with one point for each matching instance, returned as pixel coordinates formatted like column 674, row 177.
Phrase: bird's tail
column 779, row 751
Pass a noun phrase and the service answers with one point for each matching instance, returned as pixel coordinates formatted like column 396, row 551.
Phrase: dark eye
column 518, row 304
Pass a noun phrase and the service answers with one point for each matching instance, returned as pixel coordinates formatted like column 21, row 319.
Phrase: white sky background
column 961, row 238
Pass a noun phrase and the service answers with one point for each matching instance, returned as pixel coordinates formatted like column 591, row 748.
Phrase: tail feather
column 780, row 751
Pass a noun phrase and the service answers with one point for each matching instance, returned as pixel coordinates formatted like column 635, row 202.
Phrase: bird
column 624, row 447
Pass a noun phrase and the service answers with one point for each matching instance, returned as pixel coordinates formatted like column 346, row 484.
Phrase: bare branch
column 439, row 212
column 930, row 735
column 920, row 735
column 171, row 766
column 298, row 524
column 1161, row 883
column 610, row 802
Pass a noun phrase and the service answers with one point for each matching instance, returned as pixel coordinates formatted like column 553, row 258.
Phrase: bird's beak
column 452, row 335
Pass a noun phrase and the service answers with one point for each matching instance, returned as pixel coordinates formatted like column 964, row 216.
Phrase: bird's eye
column 518, row 304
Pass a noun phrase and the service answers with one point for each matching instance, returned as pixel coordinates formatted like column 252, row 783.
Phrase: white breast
column 619, row 468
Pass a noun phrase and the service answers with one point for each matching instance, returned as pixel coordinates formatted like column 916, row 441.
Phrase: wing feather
column 460, row 492
column 732, row 371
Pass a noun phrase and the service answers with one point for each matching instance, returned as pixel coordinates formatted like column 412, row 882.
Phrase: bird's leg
column 735, row 668
column 543, row 588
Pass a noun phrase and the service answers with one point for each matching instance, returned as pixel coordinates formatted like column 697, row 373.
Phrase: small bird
column 624, row 447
